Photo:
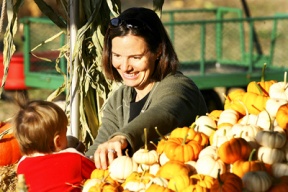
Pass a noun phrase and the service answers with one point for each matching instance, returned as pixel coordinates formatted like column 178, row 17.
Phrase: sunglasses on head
column 129, row 23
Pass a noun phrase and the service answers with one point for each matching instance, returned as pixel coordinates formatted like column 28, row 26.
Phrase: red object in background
column 15, row 78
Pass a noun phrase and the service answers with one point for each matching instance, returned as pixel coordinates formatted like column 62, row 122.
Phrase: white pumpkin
column 257, row 181
column 229, row 116
column 221, row 135
column 265, row 121
column 272, row 139
column 279, row 90
column 270, row 155
column 205, row 124
column 279, row 169
column 207, row 165
column 122, row 167
column 272, row 105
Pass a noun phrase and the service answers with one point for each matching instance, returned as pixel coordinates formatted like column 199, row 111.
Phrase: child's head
column 40, row 127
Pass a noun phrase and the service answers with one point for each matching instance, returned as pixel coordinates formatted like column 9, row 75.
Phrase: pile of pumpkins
column 9, row 148
column 241, row 148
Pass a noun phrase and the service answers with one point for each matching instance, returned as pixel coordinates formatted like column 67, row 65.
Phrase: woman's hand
column 108, row 151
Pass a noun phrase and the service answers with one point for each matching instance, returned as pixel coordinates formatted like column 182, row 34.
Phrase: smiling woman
column 138, row 53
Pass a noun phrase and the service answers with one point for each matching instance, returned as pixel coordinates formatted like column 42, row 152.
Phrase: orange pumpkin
column 191, row 134
column 9, row 148
column 195, row 188
column 171, row 169
column 234, row 149
column 227, row 182
column 202, row 180
column 280, row 185
column 232, row 101
column 240, row 167
column 215, row 114
column 262, row 87
column 182, row 149
column 154, row 187
column 282, row 116
column 255, row 103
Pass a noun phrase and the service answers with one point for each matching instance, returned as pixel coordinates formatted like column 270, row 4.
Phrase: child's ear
column 57, row 143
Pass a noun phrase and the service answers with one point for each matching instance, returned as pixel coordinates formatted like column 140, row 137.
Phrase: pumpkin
column 215, row 114
column 209, row 165
column 229, row 116
column 179, row 182
column 272, row 139
column 240, row 167
column 145, row 156
column 227, row 182
column 232, row 101
column 261, row 87
column 171, row 169
column 9, row 148
column 190, row 134
column 154, row 187
column 202, row 180
column 122, row 167
column 234, row 149
column 279, row 169
column 280, row 184
column 205, row 124
column 272, row 105
column 195, row 188
column 282, row 116
column 105, row 186
column 270, row 155
column 181, row 149
column 221, row 136
column 279, row 90
column 99, row 174
column 161, row 144
column 257, row 181
column 255, row 103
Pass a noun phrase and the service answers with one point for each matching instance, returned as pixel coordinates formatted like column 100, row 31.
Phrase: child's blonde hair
column 36, row 124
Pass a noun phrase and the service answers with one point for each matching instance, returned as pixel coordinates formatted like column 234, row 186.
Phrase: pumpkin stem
column 126, row 153
column 285, row 80
column 251, row 154
column 246, row 111
column 259, row 88
column 162, row 136
column 263, row 73
column 193, row 125
column 7, row 131
column 256, row 108
column 210, row 127
column 219, row 179
column 271, row 128
column 184, row 139
column 145, row 140
column 153, row 144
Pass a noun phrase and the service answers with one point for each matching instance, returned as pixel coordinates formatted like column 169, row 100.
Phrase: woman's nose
column 125, row 66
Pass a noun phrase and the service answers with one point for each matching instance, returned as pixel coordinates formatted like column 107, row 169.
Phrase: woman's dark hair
column 144, row 23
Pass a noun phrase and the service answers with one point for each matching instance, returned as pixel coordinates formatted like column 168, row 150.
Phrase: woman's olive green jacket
column 173, row 102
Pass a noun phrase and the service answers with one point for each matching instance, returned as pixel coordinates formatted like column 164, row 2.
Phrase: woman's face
column 133, row 61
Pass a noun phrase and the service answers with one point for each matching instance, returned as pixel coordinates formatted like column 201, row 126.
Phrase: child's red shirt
column 62, row 171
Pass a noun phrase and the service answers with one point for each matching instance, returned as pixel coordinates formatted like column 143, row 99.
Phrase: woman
column 138, row 53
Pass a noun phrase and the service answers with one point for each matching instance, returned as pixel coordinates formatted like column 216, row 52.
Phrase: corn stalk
column 93, row 88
